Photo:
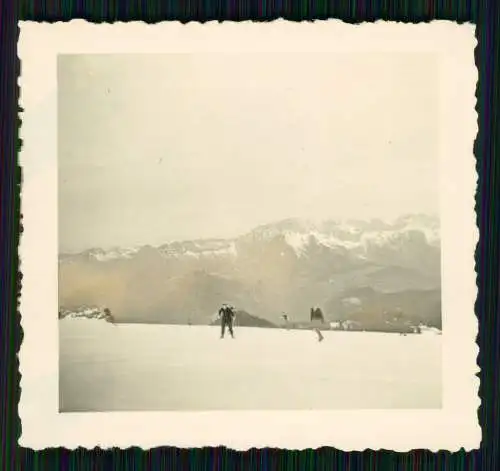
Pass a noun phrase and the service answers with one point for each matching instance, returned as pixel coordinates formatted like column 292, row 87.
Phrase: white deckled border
column 453, row 427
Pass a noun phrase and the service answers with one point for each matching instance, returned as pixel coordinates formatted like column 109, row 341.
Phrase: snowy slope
column 140, row 367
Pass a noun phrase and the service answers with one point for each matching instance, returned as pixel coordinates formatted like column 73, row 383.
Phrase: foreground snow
column 163, row 367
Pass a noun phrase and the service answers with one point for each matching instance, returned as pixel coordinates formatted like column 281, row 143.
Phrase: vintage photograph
column 249, row 231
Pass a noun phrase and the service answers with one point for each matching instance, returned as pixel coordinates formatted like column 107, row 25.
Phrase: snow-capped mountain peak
column 199, row 248
column 358, row 237
column 287, row 266
column 351, row 235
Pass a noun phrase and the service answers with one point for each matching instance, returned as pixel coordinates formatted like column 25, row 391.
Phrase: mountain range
column 345, row 267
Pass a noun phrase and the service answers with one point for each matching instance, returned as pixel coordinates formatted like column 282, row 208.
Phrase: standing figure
column 317, row 319
column 287, row 321
column 109, row 317
column 226, row 315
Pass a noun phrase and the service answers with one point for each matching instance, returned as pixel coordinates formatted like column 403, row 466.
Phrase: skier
column 226, row 315
column 317, row 319
column 286, row 319
column 109, row 317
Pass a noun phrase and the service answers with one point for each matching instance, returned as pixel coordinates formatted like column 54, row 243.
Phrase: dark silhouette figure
column 109, row 317
column 227, row 315
column 287, row 321
column 317, row 317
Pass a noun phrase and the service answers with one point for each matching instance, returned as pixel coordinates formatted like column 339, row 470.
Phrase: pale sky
column 154, row 148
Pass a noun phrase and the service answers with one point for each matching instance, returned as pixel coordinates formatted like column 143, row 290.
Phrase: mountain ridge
column 429, row 225
column 286, row 266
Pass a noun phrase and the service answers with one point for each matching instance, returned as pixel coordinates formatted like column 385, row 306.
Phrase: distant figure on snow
column 286, row 320
column 109, row 317
column 226, row 315
column 317, row 319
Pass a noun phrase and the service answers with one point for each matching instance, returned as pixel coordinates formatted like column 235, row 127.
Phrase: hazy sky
column 160, row 147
